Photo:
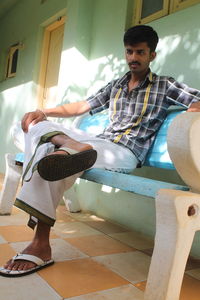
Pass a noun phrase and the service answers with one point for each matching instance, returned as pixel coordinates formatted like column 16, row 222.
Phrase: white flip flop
column 40, row 264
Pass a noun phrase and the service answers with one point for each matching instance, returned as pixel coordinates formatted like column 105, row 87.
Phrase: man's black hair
column 139, row 34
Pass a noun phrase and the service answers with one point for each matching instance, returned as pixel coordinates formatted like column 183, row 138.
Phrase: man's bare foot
column 80, row 148
column 62, row 141
column 33, row 249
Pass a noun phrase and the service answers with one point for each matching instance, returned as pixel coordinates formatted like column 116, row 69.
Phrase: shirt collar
column 150, row 78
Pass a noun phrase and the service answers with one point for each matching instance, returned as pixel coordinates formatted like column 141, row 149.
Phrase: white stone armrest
column 184, row 148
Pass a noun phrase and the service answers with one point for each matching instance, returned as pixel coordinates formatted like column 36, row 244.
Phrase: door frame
column 44, row 57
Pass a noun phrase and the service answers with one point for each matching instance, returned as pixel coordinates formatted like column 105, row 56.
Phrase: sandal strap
column 32, row 258
column 67, row 150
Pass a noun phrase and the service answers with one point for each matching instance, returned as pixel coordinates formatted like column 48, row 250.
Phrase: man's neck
column 136, row 79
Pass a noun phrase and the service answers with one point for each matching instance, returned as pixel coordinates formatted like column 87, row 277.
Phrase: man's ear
column 152, row 55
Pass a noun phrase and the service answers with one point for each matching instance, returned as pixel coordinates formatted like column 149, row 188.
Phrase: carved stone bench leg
column 10, row 185
column 177, row 218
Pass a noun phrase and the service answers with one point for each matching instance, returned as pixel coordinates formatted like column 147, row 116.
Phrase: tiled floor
column 94, row 260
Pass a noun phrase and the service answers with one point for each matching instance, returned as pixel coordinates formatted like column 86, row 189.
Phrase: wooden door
column 50, row 63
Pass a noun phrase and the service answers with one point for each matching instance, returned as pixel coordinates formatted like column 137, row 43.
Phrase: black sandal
column 59, row 166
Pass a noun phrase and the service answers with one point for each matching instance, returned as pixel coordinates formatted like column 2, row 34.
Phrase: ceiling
column 6, row 5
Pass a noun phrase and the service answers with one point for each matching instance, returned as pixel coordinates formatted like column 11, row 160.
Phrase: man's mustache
column 134, row 63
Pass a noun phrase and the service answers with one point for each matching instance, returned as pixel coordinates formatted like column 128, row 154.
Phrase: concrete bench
column 177, row 208
column 157, row 157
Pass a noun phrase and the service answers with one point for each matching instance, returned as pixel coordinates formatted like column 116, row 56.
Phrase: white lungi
column 39, row 197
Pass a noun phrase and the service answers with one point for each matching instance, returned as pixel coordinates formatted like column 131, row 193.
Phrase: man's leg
column 45, row 195
column 39, row 247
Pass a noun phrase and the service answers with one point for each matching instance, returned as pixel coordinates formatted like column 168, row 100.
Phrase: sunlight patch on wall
column 178, row 55
column 104, row 69
column 78, row 181
column 15, row 102
column 195, row 64
column 167, row 46
column 80, row 77
column 191, row 45
column 20, row 95
column 73, row 76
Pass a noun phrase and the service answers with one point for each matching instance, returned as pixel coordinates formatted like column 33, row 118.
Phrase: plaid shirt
column 133, row 123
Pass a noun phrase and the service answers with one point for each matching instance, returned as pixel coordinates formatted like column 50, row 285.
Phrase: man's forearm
column 68, row 110
column 62, row 111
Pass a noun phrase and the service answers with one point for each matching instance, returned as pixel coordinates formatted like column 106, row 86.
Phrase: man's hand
column 33, row 118
column 194, row 107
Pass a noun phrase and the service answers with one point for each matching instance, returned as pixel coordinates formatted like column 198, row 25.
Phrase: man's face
column 138, row 57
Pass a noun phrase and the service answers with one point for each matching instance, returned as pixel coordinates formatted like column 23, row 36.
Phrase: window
column 149, row 10
column 12, row 59
column 146, row 11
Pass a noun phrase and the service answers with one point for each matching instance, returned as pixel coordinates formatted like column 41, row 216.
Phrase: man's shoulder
column 163, row 78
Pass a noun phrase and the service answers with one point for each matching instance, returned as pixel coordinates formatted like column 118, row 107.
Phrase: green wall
column 179, row 47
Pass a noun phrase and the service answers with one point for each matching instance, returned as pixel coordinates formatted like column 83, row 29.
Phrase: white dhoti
column 39, row 197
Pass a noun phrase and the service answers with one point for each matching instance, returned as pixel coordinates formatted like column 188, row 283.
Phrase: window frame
column 177, row 5
column 169, row 7
column 9, row 60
